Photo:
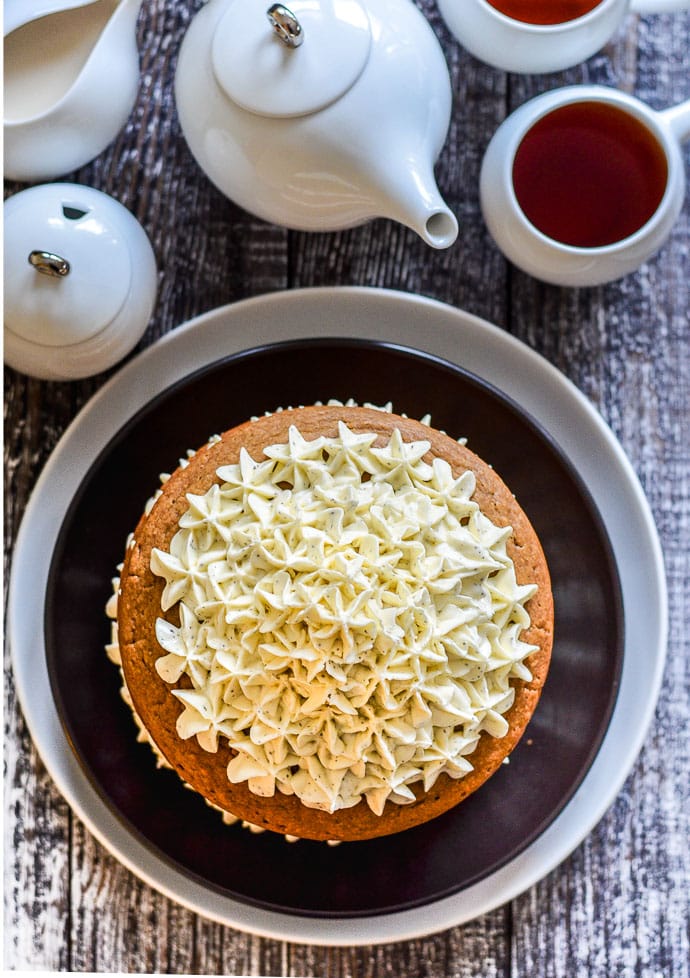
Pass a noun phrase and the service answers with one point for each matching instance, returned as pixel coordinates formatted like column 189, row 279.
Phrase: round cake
column 334, row 622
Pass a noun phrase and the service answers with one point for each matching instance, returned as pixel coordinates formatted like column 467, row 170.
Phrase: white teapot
column 319, row 116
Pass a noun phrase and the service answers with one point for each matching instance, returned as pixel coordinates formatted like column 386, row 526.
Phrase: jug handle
column 658, row 6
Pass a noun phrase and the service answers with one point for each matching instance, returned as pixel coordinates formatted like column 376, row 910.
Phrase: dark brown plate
column 423, row 864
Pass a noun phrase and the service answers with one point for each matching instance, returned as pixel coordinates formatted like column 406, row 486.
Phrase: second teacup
column 535, row 36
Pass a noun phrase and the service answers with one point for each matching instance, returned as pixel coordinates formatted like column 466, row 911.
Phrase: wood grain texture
column 618, row 906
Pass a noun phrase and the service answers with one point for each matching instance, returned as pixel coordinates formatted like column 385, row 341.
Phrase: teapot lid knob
column 272, row 72
column 285, row 24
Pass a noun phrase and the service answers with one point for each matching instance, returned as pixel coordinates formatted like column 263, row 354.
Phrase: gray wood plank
column 36, row 859
column 477, row 950
column 120, row 924
column 37, row 821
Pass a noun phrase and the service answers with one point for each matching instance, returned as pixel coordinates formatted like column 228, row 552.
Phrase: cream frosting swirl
column 350, row 620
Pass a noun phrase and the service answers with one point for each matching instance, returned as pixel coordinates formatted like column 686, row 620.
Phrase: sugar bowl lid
column 80, row 281
column 289, row 60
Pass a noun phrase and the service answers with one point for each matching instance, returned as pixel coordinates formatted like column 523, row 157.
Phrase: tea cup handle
column 678, row 118
column 658, row 6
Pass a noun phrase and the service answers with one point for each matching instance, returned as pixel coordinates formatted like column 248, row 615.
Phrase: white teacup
column 521, row 46
column 595, row 220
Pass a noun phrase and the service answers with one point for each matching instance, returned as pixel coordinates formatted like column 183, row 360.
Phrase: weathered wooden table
column 619, row 904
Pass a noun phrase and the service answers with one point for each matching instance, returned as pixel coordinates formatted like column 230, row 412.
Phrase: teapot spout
column 412, row 198
column 440, row 228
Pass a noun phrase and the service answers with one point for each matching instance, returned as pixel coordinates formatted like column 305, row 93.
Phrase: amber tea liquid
column 544, row 11
column 589, row 174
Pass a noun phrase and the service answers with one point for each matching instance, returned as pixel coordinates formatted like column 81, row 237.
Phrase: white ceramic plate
column 482, row 349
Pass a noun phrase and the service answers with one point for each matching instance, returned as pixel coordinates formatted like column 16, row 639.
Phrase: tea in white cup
column 544, row 11
column 589, row 174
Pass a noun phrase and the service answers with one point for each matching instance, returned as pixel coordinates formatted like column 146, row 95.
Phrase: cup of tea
column 581, row 185
column 535, row 36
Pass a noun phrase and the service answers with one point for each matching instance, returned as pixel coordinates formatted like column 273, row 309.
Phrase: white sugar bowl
column 80, row 281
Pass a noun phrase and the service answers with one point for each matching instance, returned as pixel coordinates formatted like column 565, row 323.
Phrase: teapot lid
column 284, row 61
